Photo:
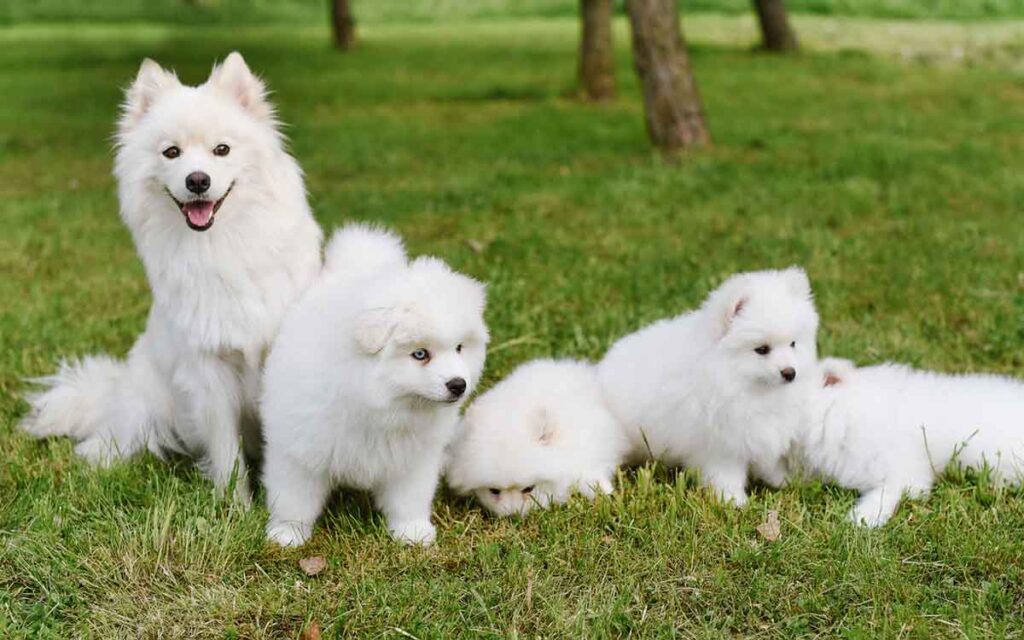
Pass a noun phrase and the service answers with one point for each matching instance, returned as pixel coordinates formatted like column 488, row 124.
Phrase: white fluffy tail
column 359, row 249
column 108, row 407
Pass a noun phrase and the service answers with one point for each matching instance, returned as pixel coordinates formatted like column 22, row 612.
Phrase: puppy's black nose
column 197, row 182
column 788, row 374
column 457, row 386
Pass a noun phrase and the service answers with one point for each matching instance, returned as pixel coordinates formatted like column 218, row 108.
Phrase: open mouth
column 199, row 213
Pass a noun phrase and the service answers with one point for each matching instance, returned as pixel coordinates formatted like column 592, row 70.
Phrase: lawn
column 896, row 181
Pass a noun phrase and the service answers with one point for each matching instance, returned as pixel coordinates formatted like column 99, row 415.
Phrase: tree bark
column 776, row 33
column 597, row 59
column 674, row 113
column 344, row 24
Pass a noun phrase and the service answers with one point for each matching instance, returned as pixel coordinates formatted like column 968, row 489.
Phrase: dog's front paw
column 96, row 451
column 419, row 532
column 288, row 534
column 735, row 498
column 867, row 516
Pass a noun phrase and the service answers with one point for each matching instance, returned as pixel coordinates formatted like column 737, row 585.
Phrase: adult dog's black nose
column 788, row 374
column 197, row 182
column 457, row 386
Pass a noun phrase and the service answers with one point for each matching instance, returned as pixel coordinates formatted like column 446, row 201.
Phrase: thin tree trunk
column 675, row 115
column 344, row 24
column 776, row 33
column 597, row 60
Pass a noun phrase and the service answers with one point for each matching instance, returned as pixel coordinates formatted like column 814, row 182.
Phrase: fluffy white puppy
column 364, row 383
column 718, row 389
column 535, row 438
column 889, row 430
column 187, row 157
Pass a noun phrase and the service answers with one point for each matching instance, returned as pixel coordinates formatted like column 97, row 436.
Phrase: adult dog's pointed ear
column 234, row 78
column 149, row 83
column 373, row 329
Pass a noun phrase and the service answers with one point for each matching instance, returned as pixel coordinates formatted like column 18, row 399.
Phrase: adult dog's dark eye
column 793, row 344
column 458, row 349
column 420, row 354
column 528, row 489
column 221, row 150
column 763, row 350
column 495, row 492
column 171, row 152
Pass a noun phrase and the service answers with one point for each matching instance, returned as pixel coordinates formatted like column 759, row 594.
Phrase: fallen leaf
column 312, row 632
column 770, row 529
column 476, row 245
column 312, row 566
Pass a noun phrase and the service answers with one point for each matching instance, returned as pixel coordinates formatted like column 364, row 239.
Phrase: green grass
column 897, row 184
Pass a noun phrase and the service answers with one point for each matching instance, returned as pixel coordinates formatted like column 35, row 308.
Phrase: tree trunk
column 597, row 60
column 344, row 24
column 775, row 30
column 675, row 116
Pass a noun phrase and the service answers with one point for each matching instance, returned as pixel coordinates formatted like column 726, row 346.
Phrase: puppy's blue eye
column 763, row 350
column 421, row 354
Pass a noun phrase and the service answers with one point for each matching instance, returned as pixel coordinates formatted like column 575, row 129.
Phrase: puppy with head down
column 719, row 389
column 537, row 437
column 363, row 386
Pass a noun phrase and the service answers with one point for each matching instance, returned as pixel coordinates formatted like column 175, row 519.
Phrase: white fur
column 345, row 403
column 535, row 438
column 692, row 391
column 191, row 380
column 888, row 431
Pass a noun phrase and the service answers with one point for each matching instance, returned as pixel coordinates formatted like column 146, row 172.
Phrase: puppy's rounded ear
column 149, row 83
column 797, row 282
column 726, row 302
column 836, row 370
column 373, row 328
column 234, row 78
column 544, row 428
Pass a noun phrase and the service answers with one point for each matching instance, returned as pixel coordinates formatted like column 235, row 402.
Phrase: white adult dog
column 364, row 383
column 888, row 431
column 540, row 435
column 187, row 157
column 719, row 389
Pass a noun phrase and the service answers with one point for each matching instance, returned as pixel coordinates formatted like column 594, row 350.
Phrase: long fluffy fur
column 541, row 434
column 889, row 430
column 692, row 391
column 190, row 382
column 345, row 401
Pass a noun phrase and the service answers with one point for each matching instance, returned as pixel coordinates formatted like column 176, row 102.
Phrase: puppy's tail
column 360, row 250
column 107, row 406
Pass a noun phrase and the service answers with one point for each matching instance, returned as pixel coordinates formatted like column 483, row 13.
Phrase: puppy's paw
column 867, row 516
column 418, row 532
column 735, row 498
column 96, row 451
column 288, row 534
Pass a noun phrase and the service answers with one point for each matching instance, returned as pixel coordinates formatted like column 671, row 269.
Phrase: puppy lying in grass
column 889, row 431
column 720, row 389
column 540, row 435
column 363, row 386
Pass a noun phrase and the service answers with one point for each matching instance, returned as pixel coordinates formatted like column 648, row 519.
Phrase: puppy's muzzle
column 456, row 387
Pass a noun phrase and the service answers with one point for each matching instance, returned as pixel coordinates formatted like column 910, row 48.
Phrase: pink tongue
column 199, row 212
